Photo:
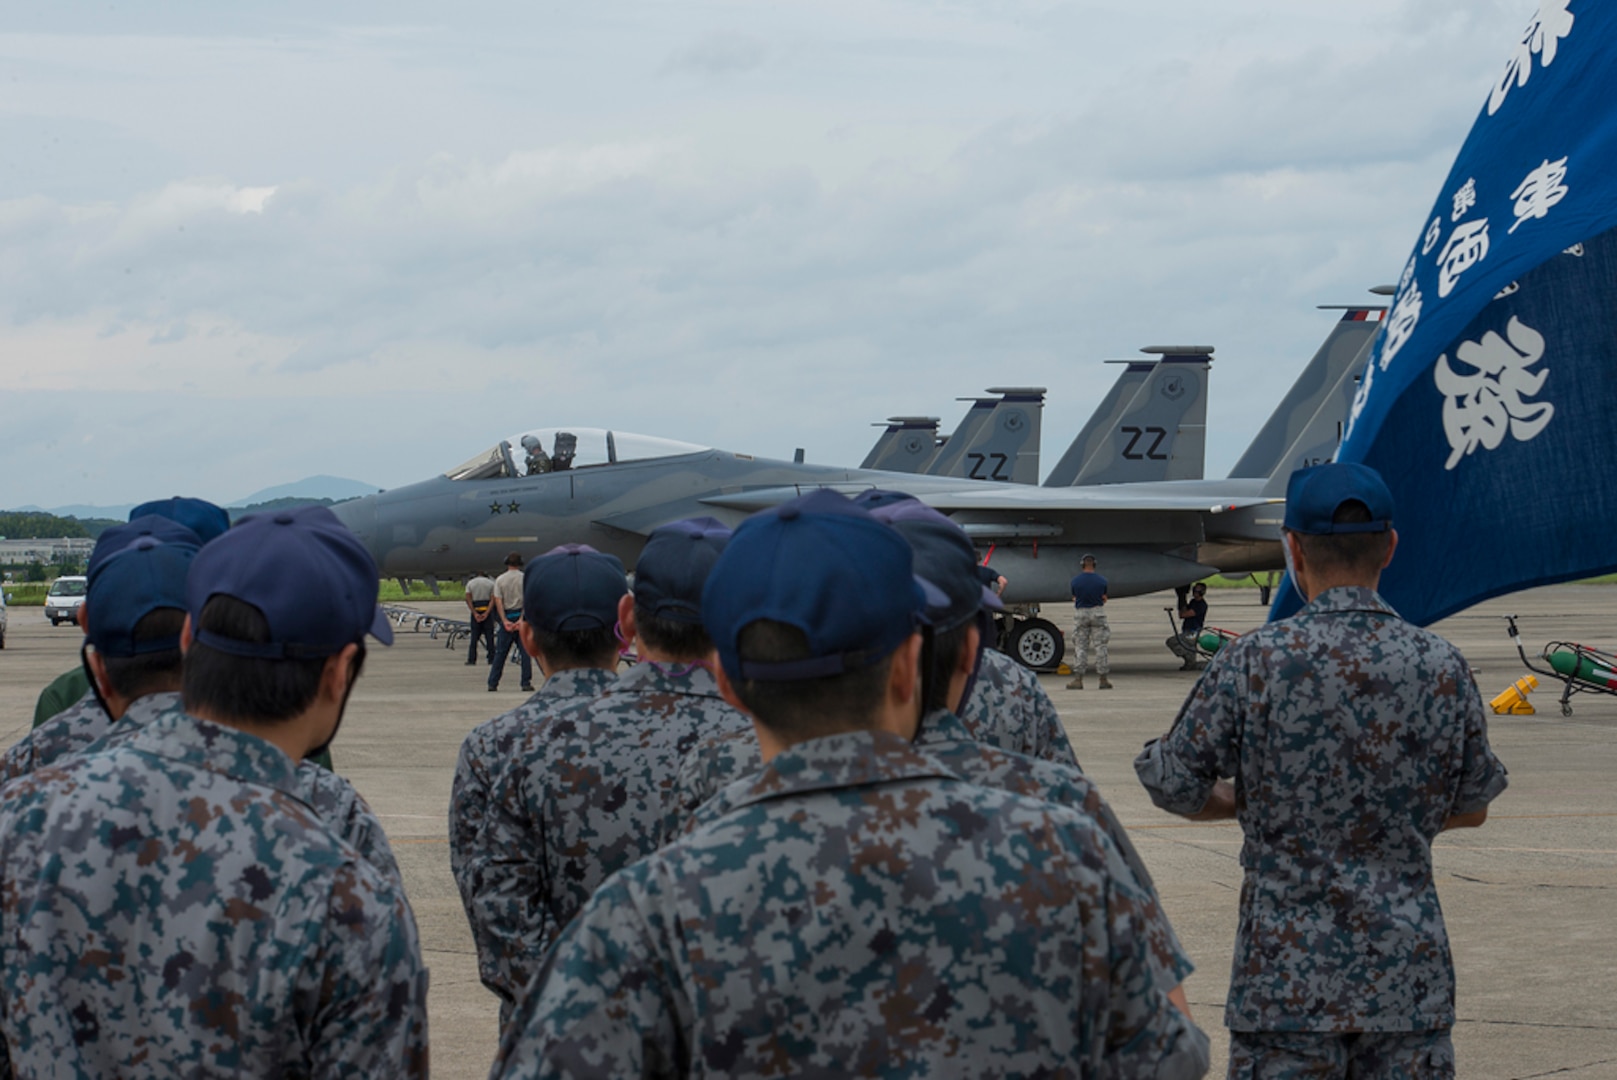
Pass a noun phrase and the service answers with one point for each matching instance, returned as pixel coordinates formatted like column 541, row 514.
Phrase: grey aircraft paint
column 954, row 446
column 1102, row 423
column 1004, row 446
column 1155, row 535
column 907, row 445
column 1342, row 347
column 1162, row 434
column 1318, row 441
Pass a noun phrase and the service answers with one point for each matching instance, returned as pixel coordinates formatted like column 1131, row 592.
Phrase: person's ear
column 904, row 677
column 338, row 674
column 186, row 639
column 967, row 660
column 626, row 623
column 1392, row 546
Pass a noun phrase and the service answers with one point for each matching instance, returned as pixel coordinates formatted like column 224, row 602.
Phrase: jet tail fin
column 907, row 445
column 1107, row 415
column 1297, row 410
column 1162, row 433
column 1318, row 440
column 997, row 440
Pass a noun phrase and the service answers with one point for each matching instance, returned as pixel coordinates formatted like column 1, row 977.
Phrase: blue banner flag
column 1489, row 403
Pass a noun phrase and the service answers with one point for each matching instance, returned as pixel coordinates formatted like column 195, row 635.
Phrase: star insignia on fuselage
column 513, row 508
column 493, row 508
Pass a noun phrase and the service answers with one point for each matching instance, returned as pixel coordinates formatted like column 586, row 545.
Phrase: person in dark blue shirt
column 1089, row 625
column 1193, row 612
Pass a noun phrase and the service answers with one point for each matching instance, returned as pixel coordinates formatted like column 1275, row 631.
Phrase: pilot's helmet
column 530, row 442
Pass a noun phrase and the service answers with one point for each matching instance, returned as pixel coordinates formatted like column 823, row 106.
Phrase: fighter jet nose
column 360, row 517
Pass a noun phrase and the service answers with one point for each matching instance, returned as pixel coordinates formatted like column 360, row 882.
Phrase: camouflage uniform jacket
column 1008, row 708
column 1351, row 736
column 82, row 730
column 484, row 756
column 943, row 738
column 862, row 910
column 580, row 800
column 173, row 908
column 67, row 732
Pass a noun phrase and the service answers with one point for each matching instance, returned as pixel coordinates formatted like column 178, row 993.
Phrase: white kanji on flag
column 1541, row 38
column 1539, row 191
column 1467, row 246
column 1401, row 322
column 1464, row 199
column 1408, row 275
column 1434, row 233
column 1480, row 409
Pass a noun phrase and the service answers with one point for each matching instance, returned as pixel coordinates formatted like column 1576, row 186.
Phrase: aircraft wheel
column 1037, row 644
column 2, row 639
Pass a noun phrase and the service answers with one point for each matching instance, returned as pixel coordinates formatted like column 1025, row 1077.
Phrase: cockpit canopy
column 544, row 450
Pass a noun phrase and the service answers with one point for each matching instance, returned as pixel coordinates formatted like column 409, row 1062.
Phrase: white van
column 63, row 600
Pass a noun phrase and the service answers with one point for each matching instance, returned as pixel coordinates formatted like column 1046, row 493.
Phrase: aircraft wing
column 1017, row 498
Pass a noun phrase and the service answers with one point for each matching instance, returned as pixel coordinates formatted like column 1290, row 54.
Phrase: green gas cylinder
column 1583, row 668
column 1213, row 640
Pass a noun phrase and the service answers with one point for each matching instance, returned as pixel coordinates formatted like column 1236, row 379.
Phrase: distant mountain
column 334, row 488
column 81, row 511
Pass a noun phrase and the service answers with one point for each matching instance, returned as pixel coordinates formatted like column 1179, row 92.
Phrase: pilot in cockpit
column 538, row 461
column 561, row 458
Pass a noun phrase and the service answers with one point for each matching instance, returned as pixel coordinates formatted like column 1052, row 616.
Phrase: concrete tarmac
column 1530, row 898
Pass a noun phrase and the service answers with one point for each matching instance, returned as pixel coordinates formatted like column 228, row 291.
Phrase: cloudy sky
column 371, row 239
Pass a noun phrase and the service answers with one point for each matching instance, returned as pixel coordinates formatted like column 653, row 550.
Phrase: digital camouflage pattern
column 943, row 737
column 1351, row 737
column 862, row 911
column 172, row 908
column 710, row 767
column 1008, row 708
column 483, row 757
column 71, row 731
column 582, row 799
column 85, row 731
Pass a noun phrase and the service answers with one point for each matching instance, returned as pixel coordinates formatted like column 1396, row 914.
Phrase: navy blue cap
column 573, row 587
column 874, row 499
column 1314, row 494
column 115, row 538
column 146, row 575
column 200, row 516
column 825, row 566
column 311, row 578
column 944, row 557
column 674, row 565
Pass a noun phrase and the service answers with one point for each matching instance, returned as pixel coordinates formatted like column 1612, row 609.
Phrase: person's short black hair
column 946, row 650
column 1357, row 554
column 597, row 647
column 248, row 689
column 802, row 709
column 682, row 641
column 148, row 673
column 514, row 559
column 1199, row 586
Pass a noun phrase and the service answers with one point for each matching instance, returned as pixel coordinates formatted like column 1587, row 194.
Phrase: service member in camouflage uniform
column 173, row 908
column 944, row 558
column 131, row 618
column 571, row 596
column 864, row 909
column 134, row 609
column 584, row 792
column 1353, row 739
column 193, row 521
column 1005, row 707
